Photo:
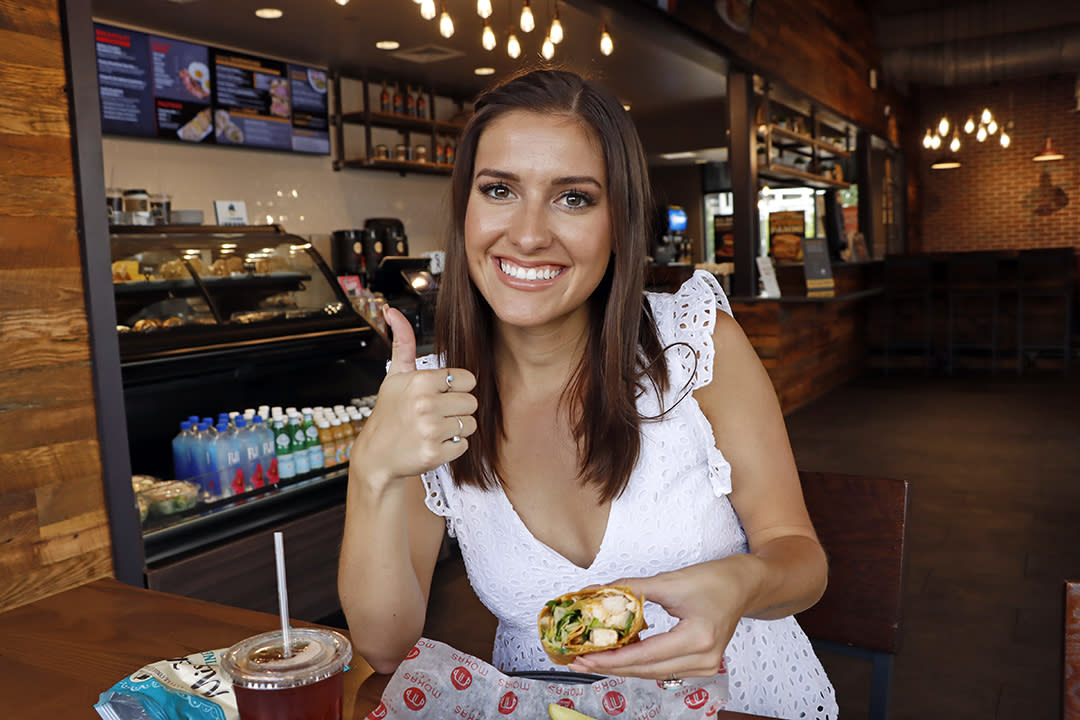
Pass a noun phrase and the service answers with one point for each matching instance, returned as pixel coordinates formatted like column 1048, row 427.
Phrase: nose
column 529, row 229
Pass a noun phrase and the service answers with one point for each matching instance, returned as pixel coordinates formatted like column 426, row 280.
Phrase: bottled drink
column 267, row 454
column 283, row 449
column 326, row 440
column 312, row 444
column 339, row 440
column 181, row 452
column 410, row 101
column 384, row 99
column 299, row 444
column 399, row 107
column 421, row 104
column 250, row 454
column 203, row 463
column 230, row 468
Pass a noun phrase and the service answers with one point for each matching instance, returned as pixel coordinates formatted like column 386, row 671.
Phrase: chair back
column 1046, row 267
column 861, row 522
column 1072, row 651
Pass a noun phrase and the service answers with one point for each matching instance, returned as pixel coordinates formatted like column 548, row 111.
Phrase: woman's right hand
column 417, row 415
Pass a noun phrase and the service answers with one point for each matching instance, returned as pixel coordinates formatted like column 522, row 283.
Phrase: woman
column 573, row 430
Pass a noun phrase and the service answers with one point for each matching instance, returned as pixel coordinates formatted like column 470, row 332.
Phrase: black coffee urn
column 359, row 251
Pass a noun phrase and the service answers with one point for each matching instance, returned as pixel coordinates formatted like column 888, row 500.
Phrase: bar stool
column 1045, row 274
column 909, row 286
column 974, row 291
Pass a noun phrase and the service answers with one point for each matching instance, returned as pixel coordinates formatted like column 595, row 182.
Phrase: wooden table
column 57, row 655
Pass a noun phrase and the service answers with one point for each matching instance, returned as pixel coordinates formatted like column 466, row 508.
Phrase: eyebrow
column 564, row 180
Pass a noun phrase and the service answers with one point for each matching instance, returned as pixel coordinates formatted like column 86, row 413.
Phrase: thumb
column 403, row 350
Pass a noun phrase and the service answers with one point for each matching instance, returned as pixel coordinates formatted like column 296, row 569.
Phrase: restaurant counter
column 811, row 345
column 60, row 653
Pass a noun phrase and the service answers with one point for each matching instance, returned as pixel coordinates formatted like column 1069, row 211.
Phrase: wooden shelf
column 404, row 166
column 800, row 139
column 402, row 122
column 809, row 179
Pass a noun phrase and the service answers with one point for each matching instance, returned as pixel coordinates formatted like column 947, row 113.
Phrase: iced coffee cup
column 306, row 686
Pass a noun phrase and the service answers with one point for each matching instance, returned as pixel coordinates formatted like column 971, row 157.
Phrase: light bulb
column 427, row 9
column 483, row 8
column 928, row 140
column 969, row 126
column 1005, row 139
column 992, row 126
column 607, row 45
column 986, row 116
column 446, row 23
column 513, row 47
column 488, row 38
column 955, row 144
column 943, row 126
column 527, row 21
column 556, row 32
column 547, row 50
column 936, row 142
column 418, row 1
column 342, row 2
column 981, row 134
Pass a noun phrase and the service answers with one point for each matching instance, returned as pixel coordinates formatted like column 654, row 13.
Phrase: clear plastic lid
column 258, row 662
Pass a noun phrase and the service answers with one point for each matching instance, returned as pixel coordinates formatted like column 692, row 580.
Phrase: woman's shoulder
column 689, row 311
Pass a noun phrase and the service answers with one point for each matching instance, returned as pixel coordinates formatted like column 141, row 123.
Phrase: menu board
column 156, row 86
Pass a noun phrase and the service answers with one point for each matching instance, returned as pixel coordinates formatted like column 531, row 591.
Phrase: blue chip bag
column 184, row 688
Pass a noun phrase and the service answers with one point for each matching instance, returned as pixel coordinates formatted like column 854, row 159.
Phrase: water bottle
column 250, row 454
column 299, row 444
column 232, row 473
column 283, row 448
column 314, row 447
column 181, row 452
column 267, row 455
column 203, row 462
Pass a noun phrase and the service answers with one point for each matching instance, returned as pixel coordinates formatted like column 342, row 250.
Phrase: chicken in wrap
column 588, row 621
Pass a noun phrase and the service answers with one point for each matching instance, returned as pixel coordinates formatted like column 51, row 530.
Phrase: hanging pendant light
column 945, row 163
column 1048, row 153
column 547, row 50
column 607, row 45
column 980, row 135
column 992, row 126
column 986, row 116
column 928, row 140
column 483, row 8
column 513, row 47
column 935, row 142
column 954, row 145
column 427, row 9
column 555, row 34
column 969, row 126
column 528, row 22
column 943, row 126
column 1005, row 139
column 446, row 23
column 488, row 38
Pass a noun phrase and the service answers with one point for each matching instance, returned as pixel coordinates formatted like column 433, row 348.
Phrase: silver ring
column 449, row 382
column 461, row 429
column 671, row 683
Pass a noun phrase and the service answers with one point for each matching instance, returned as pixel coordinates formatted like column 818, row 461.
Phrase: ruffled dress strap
column 685, row 321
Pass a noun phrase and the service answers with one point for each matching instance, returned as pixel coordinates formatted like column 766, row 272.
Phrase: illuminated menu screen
column 155, row 86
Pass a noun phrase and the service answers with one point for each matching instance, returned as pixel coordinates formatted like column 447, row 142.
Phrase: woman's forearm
column 783, row 576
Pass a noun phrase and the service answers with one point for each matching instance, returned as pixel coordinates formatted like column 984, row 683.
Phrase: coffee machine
column 359, row 251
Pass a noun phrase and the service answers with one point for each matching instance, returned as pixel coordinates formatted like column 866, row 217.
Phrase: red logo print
column 614, row 703
column 413, row 653
column 461, row 677
column 507, row 703
column 414, row 698
column 378, row 713
column 697, row 699
column 566, row 703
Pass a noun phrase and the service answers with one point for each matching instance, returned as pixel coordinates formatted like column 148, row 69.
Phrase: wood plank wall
column 53, row 526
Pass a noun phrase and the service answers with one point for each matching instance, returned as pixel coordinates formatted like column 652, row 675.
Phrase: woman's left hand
column 707, row 599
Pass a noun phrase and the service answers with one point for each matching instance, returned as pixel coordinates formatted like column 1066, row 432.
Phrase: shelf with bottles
column 797, row 146
column 403, row 130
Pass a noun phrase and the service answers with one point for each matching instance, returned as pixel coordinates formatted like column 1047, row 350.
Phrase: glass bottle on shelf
column 410, row 101
column 449, row 152
column 440, row 151
column 397, row 100
column 421, row 104
column 384, row 98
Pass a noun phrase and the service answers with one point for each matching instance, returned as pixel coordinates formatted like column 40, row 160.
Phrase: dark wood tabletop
column 57, row 655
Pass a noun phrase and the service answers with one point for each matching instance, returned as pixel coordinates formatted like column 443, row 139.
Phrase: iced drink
column 306, row 686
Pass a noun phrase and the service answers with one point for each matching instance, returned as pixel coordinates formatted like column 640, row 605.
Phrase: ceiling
column 655, row 68
column 944, row 43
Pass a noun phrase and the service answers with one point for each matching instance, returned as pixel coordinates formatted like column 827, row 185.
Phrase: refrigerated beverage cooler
column 246, row 375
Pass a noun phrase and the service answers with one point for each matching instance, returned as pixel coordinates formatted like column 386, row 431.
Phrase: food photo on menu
column 181, row 88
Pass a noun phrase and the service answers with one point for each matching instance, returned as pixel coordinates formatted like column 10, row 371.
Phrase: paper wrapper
column 435, row 680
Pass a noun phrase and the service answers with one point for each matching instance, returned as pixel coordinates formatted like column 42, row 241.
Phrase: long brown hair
column 623, row 356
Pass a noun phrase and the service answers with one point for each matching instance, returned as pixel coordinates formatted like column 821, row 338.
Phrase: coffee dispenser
column 359, row 251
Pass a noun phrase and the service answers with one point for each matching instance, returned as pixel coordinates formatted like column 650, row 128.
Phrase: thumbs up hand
column 422, row 418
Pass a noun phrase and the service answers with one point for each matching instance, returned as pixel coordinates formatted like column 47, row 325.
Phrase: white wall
column 324, row 200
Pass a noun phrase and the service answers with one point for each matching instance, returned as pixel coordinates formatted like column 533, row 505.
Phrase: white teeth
column 532, row 273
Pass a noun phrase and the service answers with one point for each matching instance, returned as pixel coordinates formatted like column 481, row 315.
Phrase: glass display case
column 213, row 322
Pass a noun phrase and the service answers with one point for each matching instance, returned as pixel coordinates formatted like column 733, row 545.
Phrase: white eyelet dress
column 674, row 512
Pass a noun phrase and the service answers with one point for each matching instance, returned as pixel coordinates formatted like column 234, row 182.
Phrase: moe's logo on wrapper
column 566, row 703
column 614, row 703
column 697, row 699
column 461, row 677
column 413, row 653
column 378, row 713
column 414, row 698
column 508, row 703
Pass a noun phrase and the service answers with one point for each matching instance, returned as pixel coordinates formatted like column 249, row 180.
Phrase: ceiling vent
column 427, row 54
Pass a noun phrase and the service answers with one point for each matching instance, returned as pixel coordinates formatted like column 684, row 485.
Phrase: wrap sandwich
column 586, row 621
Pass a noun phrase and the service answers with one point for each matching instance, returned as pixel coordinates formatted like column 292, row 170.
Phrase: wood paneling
column 53, row 525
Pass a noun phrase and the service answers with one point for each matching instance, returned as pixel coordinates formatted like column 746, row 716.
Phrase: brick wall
column 1000, row 198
